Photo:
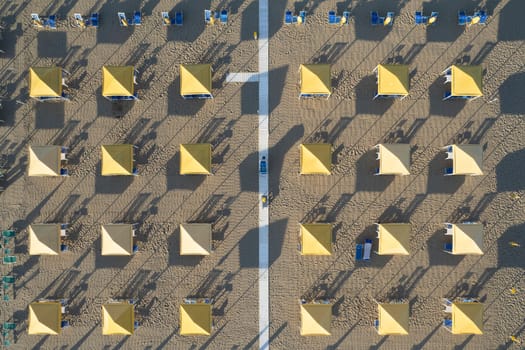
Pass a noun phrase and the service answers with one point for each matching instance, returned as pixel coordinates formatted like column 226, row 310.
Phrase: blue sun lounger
column 426, row 20
column 288, row 17
column 137, row 18
column 179, row 18
column 334, row 19
column 375, row 20
column 224, row 16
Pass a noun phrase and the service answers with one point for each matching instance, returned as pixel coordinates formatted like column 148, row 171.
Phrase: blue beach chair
column 93, row 20
column 179, row 18
column 447, row 247
column 375, row 19
column 332, row 18
column 482, row 17
column 122, row 20
column 462, row 18
column 137, row 18
column 224, row 16
column 288, row 17
column 420, row 19
column 359, row 252
column 448, row 171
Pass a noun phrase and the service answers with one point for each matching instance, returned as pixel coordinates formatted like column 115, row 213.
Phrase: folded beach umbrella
column 315, row 80
column 467, row 318
column 394, row 159
column 195, row 80
column 467, row 159
column 316, row 158
column 117, row 160
column 44, row 161
column 392, row 80
column 316, row 239
column 118, row 319
column 45, row 318
column 45, row 82
column 467, row 239
column 394, row 239
column 316, row 319
column 44, row 239
column 195, row 319
column 195, row 159
column 195, row 239
column 393, row 319
column 117, row 81
column 466, row 81
column 117, row 239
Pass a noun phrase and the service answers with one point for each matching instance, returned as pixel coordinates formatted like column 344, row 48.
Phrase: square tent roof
column 394, row 239
column 45, row 318
column 45, row 82
column 466, row 81
column 392, row 79
column 393, row 318
column 316, row 79
column 117, row 239
column 195, row 319
column 195, row 239
column 316, row 158
column 316, row 319
column 467, row 318
column 467, row 239
column 118, row 319
column 44, row 239
column 316, row 239
column 468, row 159
column 394, row 159
column 195, row 159
column 118, row 81
column 117, row 160
column 44, row 161
column 195, row 80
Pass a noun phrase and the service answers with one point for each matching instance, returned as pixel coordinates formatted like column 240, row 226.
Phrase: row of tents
column 394, row 159
column 118, row 82
column 196, row 159
column 118, row 239
column 466, row 317
column 394, row 238
column 118, row 318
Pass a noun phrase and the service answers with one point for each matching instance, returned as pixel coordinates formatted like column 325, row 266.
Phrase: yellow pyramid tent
column 467, row 159
column 467, row 239
column 393, row 319
column 316, row 239
column 466, row 81
column 45, row 82
column 118, row 81
column 394, row 159
column 195, row 239
column 392, row 80
column 394, row 239
column 315, row 80
column 195, row 159
column 118, row 319
column 45, row 318
column 195, row 81
column 117, row 239
column 316, row 158
column 117, row 160
column 467, row 318
column 44, row 239
column 195, row 319
column 316, row 319
column 44, row 161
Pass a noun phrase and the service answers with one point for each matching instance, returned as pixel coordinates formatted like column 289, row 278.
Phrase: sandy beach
column 351, row 198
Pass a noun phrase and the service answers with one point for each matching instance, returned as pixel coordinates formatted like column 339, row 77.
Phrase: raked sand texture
column 351, row 198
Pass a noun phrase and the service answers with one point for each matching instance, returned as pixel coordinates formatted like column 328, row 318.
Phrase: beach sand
column 351, row 197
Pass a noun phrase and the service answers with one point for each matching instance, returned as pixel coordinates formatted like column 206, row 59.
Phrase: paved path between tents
column 264, row 217
column 246, row 77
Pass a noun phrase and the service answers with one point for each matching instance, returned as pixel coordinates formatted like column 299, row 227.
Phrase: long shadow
column 249, row 98
column 338, row 343
column 60, row 214
column 249, row 20
column 342, row 201
column 136, row 285
column 276, row 17
column 249, row 244
column 447, row 108
column 406, row 284
column 365, row 92
column 49, row 115
column 437, row 181
column 112, row 184
column 109, row 30
column 422, row 343
column 511, row 101
column 278, row 77
column 107, row 261
column 59, row 289
column 179, row 106
column 174, row 258
column 509, row 24
column 507, row 176
column 65, row 132
column 509, row 256
column 331, row 52
column 52, row 44
column 404, row 133
column 177, row 181
column 436, row 255
column 475, row 138
column 193, row 20
column 328, row 285
column 366, row 180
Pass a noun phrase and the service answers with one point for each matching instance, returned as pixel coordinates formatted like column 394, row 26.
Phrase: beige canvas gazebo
column 195, row 239
column 44, row 160
column 118, row 319
column 195, row 319
column 195, row 159
column 393, row 239
column 315, row 80
column 467, row 238
column 316, row 158
column 117, row 239
column 316, row 239
column 316, row 319
column 394, row 159
column 45, row 318
column 392, row 318
column 195, row 81
column 117, row 160
column 466, row 159
column 44, row 239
